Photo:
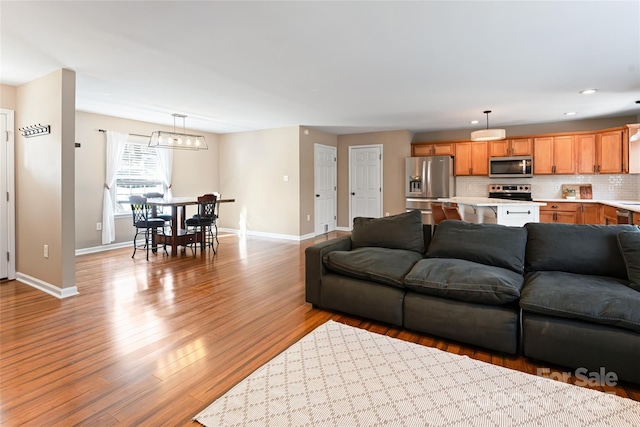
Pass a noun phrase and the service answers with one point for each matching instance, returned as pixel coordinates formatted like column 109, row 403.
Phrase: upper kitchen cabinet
column 609, row 152
column 554, row 155
column 631, row 149
column 420, row 149
column 511, row 147
column 472, row 158
column 603, row 152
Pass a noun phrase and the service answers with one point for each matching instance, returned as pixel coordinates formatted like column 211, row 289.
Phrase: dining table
column 179, row 235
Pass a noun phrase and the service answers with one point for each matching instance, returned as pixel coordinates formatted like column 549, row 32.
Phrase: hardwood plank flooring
column 153, row 343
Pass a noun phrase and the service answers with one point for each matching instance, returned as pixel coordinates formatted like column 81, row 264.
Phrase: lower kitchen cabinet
column 591, row 213
column 563, row 212
column 636, row 218
column 610, row 215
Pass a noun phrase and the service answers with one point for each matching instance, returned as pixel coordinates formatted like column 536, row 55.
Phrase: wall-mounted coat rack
column 35, row 130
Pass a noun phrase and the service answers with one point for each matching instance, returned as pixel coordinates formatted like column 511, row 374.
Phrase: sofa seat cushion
column 598, row 299
column 489, row 244
column 465, row 281
column 382, row 265
column 401, row 231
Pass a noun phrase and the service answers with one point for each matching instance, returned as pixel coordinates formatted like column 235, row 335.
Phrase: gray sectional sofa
column 564, row 294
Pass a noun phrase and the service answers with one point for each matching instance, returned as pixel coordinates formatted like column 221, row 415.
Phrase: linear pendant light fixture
column 177, row 140
column 488, row 134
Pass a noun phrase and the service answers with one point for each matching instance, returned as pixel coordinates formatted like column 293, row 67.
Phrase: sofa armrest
column 314, row 267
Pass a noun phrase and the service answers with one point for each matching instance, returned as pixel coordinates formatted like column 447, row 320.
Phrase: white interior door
column 325, row 174
column 7, row 198
column 365, row 181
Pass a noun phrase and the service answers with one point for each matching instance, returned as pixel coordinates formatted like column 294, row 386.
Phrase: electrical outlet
column 46, row 251
column 98, row 226
column 386, row 214
column 308, row 217
column 557, row 187
column 285, row 178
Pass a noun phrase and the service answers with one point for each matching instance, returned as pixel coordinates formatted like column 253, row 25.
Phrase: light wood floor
column 153, row 343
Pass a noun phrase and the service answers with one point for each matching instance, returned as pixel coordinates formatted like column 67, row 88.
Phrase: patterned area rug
column 339, row 375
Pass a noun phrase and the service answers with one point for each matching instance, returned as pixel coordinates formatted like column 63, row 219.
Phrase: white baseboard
column 343, row 229
column 46, row 287
column 103, row 248
column 270, row 235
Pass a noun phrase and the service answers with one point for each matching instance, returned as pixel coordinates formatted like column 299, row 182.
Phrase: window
column 139, row 173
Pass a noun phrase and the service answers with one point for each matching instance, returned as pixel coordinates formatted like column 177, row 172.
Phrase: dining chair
column 201, row 223
column 160, row 212
column 142, row 220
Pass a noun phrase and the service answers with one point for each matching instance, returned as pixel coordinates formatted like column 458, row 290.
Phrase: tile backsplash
column 605, row 187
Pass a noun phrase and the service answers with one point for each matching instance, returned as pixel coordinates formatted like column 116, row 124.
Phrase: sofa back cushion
column 629, row 244
column 576, row 248
column 402, row 231
column 488, row 244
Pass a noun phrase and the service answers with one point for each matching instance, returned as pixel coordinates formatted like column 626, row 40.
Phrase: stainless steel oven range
column 510, row 191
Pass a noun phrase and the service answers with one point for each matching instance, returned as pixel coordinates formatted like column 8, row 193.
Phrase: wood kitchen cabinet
column 511, row 147
column 586, row 147
column 609, row 152
column 562, row 212
column 610, row 215
column 472, row 158
column 420, row 149
column 636, row 218
column 591, row 213
column 554, row 155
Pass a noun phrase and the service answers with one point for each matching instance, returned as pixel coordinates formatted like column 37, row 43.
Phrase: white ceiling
column 342, row 67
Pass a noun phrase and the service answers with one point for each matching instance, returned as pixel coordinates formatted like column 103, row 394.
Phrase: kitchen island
column 485, row 210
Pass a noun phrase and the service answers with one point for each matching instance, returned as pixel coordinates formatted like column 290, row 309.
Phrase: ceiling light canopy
column 488, row 134
column 177, row 140
column 588, row 91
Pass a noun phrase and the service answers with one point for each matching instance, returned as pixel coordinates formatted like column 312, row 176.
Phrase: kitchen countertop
column 486, row 201
column 630, row 205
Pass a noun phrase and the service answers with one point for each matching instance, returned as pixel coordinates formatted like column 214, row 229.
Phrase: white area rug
column 339, row 375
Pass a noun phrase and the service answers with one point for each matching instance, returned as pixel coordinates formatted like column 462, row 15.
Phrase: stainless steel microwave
column 511, row 167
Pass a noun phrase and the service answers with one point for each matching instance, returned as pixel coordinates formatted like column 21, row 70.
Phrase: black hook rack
column 35, row 130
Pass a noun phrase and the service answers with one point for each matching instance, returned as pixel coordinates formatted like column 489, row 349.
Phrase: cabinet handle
column 520, row 213
column 598, row 168
column 554, row 206
column 594, row 168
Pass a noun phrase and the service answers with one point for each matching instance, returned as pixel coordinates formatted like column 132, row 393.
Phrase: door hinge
column 335, row 217
column 380, row 156
column 8, row 256
column 7, row 196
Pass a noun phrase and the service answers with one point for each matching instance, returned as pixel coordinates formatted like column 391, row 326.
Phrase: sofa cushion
column 629, row 244
column 464, row 281
column 576, row 248
column 382, row 265
column 402, row 231
column 597, row 299
column 490, row 244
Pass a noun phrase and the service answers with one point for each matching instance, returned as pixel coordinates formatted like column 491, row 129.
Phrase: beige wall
column 534, row 129
column 252, row 169
column 396, row 146
column 307, row 168
column 7, row 97
column 45, row 180
column 194, row 173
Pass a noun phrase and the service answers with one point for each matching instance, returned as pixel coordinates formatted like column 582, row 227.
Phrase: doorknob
column 317, row 195
column 353, row 194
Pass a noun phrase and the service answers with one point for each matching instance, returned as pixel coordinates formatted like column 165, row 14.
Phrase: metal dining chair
column 201, row 224
column 142, row 220
column 160, row 213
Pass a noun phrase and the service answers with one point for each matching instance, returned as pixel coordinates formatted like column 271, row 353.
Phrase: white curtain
column 165, row 157
column 115, row 147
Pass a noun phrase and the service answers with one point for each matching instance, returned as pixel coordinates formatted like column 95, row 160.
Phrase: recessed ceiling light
column 474, row 122
column 570, row 113
column 588, row 91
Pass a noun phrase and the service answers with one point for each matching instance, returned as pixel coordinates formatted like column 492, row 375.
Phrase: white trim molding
column 270, row 235
column 103, row 248
column 46, row 287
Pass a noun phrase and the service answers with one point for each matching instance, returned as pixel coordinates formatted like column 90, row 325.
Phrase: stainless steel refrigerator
column 427, row 179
